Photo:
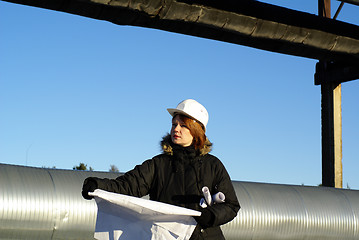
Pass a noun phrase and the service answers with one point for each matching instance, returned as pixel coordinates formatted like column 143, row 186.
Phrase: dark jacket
column 179, row 180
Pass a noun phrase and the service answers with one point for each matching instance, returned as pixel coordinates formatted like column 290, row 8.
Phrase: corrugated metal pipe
column 39, row 203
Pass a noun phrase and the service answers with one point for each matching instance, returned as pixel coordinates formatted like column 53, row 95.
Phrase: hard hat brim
column 174, row 111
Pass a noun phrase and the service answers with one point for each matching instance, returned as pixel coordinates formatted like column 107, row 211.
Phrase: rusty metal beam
column 245, row 22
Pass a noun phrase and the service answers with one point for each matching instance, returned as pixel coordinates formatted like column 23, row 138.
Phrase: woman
column 178, row 175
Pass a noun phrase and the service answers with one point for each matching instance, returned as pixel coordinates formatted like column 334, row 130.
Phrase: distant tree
column 113, row 168
column 82, row 167
column 49, row 167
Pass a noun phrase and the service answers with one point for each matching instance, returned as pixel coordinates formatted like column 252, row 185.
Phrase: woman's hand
column 206, row 219
column 90, row 184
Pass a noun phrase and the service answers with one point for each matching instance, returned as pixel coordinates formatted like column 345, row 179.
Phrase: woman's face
column 180, row 134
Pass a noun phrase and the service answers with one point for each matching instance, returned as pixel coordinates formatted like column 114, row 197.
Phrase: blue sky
column 74, row 89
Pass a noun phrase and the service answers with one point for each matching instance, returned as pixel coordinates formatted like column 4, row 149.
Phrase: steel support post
column 331, row 135
column 331, row 123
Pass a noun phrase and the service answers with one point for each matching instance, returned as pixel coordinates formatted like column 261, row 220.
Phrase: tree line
column 83, row 167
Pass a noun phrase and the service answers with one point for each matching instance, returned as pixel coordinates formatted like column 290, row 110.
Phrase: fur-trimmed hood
column 167, row 148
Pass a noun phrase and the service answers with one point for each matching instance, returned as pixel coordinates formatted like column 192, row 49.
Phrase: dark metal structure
column 355, row 2
column 254, row 24
column 330, row 75
column 245, row 22
column 43, row 204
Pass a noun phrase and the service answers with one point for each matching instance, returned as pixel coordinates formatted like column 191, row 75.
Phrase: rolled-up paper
column 218, row 197
column 208, row 200
column 207, row 195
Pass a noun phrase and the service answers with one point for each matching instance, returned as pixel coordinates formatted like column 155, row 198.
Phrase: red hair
column 196, row 129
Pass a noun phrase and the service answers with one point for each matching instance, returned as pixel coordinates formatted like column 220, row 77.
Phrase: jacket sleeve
column 227, row 211
column 136, row 182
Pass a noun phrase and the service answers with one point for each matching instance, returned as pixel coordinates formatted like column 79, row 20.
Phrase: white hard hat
column 191, row 108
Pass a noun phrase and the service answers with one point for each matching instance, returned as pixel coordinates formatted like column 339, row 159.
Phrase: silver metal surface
column 273, row 211
column 38, row 203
